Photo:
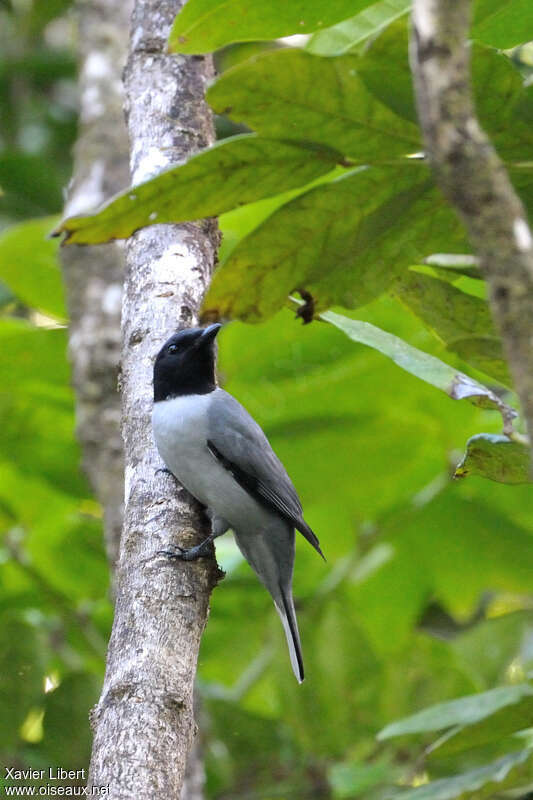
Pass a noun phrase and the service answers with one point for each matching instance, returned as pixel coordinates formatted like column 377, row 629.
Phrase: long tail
column 290, row 625
column 271, row 556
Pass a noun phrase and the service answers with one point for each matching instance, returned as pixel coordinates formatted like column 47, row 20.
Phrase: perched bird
column 222, row 457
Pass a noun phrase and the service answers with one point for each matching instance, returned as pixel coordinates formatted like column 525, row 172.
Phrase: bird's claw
column 176, row 553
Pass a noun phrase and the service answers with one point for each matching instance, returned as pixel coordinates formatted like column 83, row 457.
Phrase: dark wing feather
column 239, row 444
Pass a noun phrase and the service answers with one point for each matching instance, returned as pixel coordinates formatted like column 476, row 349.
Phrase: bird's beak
column 210, row 332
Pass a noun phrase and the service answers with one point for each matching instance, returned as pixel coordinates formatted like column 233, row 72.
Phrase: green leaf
column 344, row 242
column 502, row 723
column 233, row 172
column 291, row 94
column 426, row 367
column 463, row 322
column 497, row 458
column 503, row 23
column 477, row 783
column 32, row 357
column 205, row 25
column 463, row 711
column 389, row 54
column 452, row 314
column 351, row 33
column 29, row 265
column 504, row 112
column 500, row 639
column 454, row 564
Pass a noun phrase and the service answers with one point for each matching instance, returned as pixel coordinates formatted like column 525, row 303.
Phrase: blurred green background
column 426, row 594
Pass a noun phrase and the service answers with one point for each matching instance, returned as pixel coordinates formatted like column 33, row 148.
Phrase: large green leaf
column 387, row 53
column 504, row 112
column 463, row 322
column 292, row 94
column 424, row 366
column 344, row 242
column 35, row 357
column 497, row 458
column 29, row 265
column 498, row 23
column 234, row 172
column 435, row 557
column 500, row 639
column 463, row 711
column 351, row 33
column 503, row 23
column 204, row 25
column 503, row 722
column 477, row 784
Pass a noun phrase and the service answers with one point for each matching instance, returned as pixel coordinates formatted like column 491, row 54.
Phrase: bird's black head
column 186, row 364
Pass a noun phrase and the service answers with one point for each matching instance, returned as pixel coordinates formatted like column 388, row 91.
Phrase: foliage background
column 426, row 595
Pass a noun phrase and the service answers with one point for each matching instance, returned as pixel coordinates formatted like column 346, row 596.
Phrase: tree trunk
column 144, row 723
column 94, row 275
column 474, row 179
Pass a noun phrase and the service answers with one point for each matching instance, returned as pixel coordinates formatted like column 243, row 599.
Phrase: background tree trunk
column 144, row 722
column 474, row 179
column 94, row 275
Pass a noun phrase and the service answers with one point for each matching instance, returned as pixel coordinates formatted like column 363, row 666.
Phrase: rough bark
column 93, row 275
column 144, row 723
column 474, row 179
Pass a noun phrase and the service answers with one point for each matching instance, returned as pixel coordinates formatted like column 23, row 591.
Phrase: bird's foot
column 164, row 470
column 189, row 554
column 177, row 552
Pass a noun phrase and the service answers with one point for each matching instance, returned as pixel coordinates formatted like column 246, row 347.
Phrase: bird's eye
column 172, row 348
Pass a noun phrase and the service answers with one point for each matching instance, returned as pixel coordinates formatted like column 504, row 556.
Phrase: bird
column 219, row 453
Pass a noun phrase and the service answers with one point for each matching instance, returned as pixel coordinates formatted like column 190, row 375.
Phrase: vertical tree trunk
column 144, row 722
column 94, row 275
column 474, row 179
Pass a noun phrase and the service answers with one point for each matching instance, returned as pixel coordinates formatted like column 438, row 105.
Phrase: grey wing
column 239, row 444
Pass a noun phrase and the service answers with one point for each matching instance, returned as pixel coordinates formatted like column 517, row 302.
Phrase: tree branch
column 474, row 179
column 144, row 721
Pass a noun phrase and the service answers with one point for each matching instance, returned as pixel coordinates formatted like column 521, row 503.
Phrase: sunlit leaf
column 350, row 33
column 29, row 265
column 424, row 366
column 232, row 173
column 204, row 25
